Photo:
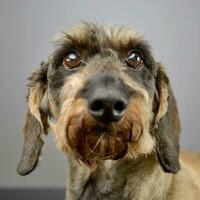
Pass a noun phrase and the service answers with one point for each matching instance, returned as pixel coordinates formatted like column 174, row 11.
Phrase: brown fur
column 135, row 158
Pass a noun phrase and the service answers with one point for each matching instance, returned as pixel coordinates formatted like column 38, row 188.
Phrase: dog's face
column 108, row 97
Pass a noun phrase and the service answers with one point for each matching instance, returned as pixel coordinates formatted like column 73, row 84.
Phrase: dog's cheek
column 141, row 114
column 69, row 124
column 56, row 82
column 143, row 77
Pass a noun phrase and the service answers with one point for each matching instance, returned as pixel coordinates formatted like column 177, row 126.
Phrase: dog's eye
column 134, row 60
column 72, row 60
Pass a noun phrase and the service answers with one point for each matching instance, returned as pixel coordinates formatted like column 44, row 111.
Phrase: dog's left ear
column 36, row 121
column 166, row 124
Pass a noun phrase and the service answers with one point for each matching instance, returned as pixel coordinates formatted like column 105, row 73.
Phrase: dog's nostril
column 96, row 105
column 97, row 109
column 120, row 106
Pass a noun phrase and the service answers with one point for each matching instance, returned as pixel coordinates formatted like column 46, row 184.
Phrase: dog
column 111, row 108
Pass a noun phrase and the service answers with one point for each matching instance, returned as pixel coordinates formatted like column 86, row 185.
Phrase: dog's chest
column 103, row 184
column 97, row 191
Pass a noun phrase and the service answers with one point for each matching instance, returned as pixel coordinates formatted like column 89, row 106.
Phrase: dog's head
column 108, row 98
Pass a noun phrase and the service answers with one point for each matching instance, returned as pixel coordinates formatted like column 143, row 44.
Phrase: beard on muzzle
column 92, row 142
column 104, row 147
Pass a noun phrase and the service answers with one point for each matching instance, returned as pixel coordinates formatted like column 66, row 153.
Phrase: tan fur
column 35, row 97
column 146, row 180
column 186, row 184
column 120, row 36
column 54, row 108
column 163, row 97
column 145, row 144
column 164, row 102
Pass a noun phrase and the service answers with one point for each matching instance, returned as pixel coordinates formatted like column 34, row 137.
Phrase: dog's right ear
column 36, row 122
column 166, row 125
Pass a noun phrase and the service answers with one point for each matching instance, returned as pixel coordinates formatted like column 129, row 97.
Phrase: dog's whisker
column 97, row 143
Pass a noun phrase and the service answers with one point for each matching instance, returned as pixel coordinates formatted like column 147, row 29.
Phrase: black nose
column 108, row 107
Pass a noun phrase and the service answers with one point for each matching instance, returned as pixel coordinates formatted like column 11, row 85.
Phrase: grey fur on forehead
column 84, row 29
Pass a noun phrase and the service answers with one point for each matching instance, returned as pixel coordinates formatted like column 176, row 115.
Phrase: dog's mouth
column 103, row 148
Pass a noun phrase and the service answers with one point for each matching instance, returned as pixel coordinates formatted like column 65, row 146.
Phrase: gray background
column 26, row 28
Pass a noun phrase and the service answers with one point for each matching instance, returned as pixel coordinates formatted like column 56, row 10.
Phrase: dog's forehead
column 103, row 49
column 102, row 35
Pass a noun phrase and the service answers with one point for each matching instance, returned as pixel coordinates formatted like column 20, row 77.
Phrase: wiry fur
column 135, row 158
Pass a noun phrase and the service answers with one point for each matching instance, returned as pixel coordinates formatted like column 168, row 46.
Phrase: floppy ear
column 36, row 121
column 166, row 124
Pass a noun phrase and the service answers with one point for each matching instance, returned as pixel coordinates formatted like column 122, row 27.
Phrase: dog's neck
column 132, row 179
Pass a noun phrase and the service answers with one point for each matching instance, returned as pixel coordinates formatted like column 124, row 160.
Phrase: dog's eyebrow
column 132, row 43
column 92, row 38
column 65, row 42
column 89, row 42
column 88, row 35
column 68, row 42
column 78, row 40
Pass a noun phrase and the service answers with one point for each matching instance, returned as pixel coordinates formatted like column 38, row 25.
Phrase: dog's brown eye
column 72, row 60
column 134, row 59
